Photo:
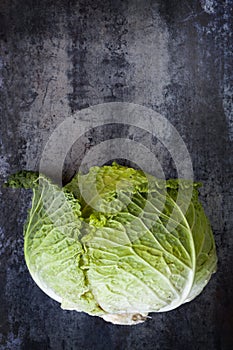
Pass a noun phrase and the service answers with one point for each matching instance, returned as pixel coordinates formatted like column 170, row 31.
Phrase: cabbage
column 115, row 243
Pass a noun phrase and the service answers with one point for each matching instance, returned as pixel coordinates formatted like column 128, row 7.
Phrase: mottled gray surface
column 58, row 57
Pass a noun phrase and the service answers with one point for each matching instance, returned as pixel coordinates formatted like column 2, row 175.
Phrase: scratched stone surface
column 58, row 57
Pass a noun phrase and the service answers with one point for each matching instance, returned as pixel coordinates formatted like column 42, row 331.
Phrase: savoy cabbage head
column 115, row 243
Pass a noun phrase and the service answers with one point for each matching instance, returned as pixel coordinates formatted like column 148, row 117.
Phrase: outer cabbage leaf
column 133, row 248
column 53, row 251
column 205, row 251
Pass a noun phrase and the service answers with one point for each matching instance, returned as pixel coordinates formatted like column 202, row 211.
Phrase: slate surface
column 58, row 57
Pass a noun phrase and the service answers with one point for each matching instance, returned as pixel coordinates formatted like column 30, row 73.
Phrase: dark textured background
column 58, row 57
